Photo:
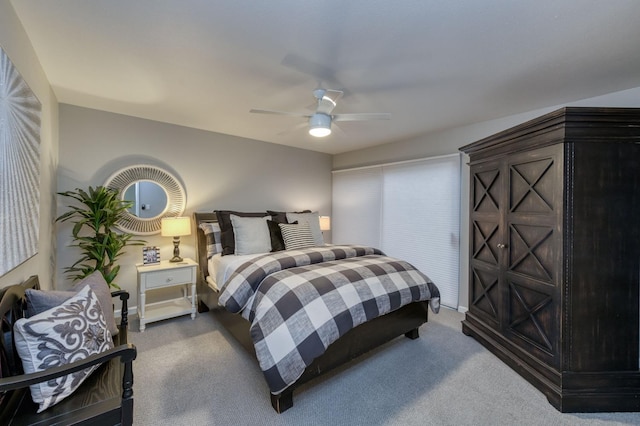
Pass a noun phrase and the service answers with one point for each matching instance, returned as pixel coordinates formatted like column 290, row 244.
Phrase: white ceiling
column 432, row 64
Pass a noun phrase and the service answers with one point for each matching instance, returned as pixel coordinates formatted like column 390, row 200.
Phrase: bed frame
column 354, row 343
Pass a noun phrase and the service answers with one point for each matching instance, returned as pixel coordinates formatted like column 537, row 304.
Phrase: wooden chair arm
column 122, row 294
column 124, row 311
column 126, row 352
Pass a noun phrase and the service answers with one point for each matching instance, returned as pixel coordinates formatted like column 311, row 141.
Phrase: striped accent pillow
column 212, row 233
column 296, row 236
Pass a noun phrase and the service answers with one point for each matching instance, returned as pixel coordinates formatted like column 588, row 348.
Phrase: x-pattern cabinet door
column 485, row 299
column 533, row 244
column 516, row 216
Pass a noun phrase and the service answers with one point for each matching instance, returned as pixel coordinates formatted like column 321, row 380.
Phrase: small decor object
column 19, row 167
column 176, row 227
column 94, row 232
column 150, row 255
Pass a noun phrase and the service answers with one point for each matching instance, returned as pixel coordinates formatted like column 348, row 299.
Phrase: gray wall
column 17, row 46
column 217, row 171
column 448, row 142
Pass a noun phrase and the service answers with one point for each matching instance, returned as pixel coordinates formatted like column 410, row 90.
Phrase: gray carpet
column 194, row 373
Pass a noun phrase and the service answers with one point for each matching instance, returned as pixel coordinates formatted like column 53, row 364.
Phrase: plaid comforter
column 301, row 301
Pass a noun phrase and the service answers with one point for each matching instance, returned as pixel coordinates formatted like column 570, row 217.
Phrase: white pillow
column 61, row 335
column 251, row 234
column 296, row 236
column 313, row 219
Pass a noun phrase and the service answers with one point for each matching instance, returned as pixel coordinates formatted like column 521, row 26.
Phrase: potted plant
column 94, row 231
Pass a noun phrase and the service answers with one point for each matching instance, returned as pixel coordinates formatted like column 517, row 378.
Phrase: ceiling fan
column 320, row 121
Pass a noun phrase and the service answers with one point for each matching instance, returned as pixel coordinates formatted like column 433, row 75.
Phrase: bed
column 245, row 285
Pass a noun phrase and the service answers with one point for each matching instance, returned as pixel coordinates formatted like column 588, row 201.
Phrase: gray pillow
column 251, row 234
column 313, row 219
column 39, row 300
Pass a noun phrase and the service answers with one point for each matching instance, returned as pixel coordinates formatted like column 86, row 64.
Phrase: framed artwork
column 19, row 167
column 150, row 255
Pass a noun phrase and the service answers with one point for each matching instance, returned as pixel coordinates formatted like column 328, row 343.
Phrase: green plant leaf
column 95, row 213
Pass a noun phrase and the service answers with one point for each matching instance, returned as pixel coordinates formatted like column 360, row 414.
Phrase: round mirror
column 154, row 192
column 149, row 199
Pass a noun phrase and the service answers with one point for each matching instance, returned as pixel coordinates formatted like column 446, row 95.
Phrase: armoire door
column 533, row 244
column 486, row 198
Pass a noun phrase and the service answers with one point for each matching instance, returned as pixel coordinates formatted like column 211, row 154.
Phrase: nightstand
column 163, row 275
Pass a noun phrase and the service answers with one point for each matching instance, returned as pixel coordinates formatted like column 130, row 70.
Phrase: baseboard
column 132, row 311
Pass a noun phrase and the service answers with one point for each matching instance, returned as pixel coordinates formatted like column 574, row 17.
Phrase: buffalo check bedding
column 300, row 301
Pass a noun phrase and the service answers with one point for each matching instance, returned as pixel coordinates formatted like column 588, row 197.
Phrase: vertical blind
column 410, row 210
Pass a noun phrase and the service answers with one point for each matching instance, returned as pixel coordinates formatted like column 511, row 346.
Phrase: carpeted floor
column 191, row 372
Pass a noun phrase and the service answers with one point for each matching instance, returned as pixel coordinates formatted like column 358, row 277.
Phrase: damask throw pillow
column 40, row 300
column 66, row 333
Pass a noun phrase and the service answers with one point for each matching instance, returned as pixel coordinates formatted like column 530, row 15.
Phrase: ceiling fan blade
column 362, row 116
column 295, row 129
column 328, row 102
column 272, row 112
column 338, row 130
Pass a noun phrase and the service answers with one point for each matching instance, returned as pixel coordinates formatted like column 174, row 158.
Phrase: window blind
column 410, row 210
column 357, row 201
column 421, row 219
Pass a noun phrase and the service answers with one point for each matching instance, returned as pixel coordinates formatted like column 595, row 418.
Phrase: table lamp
column 325, row 223
column 176, row 227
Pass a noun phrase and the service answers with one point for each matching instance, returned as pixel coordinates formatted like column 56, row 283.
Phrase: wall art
column 19, row 167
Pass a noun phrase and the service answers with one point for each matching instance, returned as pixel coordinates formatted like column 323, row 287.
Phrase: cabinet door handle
column 501, row 246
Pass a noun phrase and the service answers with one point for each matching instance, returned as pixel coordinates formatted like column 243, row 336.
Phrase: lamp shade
column 325, row 223
column 176, row 226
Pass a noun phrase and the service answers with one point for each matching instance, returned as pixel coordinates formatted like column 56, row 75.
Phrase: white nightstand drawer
column 168, row 278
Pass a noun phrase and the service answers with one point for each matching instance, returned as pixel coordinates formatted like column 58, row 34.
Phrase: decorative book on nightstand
column 161, row 276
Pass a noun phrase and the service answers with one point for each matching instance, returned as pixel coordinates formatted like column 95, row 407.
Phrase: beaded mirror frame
column 176, row 196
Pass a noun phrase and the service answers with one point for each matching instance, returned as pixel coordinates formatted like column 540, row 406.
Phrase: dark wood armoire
column 554, row 274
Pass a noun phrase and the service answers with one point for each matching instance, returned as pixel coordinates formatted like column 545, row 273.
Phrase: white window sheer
column 357, row 207
column 410, row 210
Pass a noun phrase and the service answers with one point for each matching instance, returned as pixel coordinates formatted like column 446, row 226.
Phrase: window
column 410, row 210
column 357, row 207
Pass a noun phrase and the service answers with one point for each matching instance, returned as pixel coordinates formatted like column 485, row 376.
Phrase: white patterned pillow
column 42, row 300
column 212, row 234
column 66, row 333
column 296, row 236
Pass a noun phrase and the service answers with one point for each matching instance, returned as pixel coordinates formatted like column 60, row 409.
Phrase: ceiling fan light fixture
column 320, row 125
